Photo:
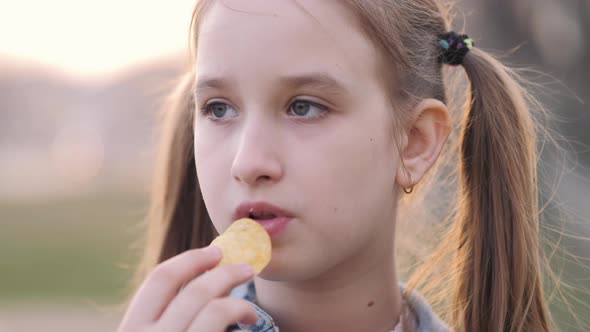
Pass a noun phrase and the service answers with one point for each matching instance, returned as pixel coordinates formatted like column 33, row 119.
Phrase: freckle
column 371, row 139
column 370, row 304
column 335, row 209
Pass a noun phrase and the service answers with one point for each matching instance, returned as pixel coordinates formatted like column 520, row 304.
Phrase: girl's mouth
column 274, row 225
column 261, row 215
column 271, row 217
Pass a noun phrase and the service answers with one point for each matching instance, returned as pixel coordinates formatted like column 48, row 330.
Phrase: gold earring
column 409, row 191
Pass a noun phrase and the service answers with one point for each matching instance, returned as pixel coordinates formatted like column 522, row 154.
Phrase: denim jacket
column 421, row 314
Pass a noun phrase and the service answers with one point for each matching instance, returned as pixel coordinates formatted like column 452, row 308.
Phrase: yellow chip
column 245, row 241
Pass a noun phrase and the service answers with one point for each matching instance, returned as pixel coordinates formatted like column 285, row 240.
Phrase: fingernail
column 249, row 321
column 215, row 251
column 246, row 269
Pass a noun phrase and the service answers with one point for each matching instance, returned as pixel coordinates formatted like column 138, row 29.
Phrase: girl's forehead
column 283, row 36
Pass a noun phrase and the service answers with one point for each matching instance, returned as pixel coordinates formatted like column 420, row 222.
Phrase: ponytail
column 177, row 218
column 499, row 283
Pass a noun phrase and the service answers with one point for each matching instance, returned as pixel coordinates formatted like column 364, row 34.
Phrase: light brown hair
column 486, row 274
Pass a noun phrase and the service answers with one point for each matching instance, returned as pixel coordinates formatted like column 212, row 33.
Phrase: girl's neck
column 362, row 295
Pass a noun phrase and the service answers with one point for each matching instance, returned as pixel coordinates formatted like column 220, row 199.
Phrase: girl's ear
column 428, row 133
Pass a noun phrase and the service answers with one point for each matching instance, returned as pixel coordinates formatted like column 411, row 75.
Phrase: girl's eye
column 220, row 111
column 303, row 108
column 217, row 111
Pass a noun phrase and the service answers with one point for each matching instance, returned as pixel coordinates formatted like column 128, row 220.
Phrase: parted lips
column 245, row 241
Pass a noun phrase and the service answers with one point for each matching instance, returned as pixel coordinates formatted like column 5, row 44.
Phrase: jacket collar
column 425, row 318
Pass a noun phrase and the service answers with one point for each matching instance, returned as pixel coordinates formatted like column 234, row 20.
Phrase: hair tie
column 454, row 47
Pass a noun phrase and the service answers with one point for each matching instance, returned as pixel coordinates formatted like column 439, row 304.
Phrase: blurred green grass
column 65, row 249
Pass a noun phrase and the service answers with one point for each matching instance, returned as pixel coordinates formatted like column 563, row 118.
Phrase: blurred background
column 80, row 84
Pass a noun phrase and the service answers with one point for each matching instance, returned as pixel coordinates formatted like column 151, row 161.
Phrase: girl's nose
column 256, row 158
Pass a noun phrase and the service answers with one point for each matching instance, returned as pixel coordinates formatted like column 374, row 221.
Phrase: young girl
column 314, row 117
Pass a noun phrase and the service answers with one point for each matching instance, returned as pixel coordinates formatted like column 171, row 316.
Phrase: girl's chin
column 278, row 270
column 275, row 271
column 287, row 272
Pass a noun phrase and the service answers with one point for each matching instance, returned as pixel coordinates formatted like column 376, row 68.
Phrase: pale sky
column 93, row 38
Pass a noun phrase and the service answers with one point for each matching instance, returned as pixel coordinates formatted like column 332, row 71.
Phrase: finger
column 163, row 283
column 218, row 314
column 197, row 293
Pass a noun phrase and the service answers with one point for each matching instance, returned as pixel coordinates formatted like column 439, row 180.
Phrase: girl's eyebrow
column 316, row 81
column 206, row 83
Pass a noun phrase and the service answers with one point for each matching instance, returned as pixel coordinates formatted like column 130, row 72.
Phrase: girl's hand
column 202, row 305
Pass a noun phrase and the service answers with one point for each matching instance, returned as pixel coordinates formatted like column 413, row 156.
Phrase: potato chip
column 245, row 241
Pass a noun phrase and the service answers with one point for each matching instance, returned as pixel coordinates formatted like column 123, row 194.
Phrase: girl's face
column 296, row 116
